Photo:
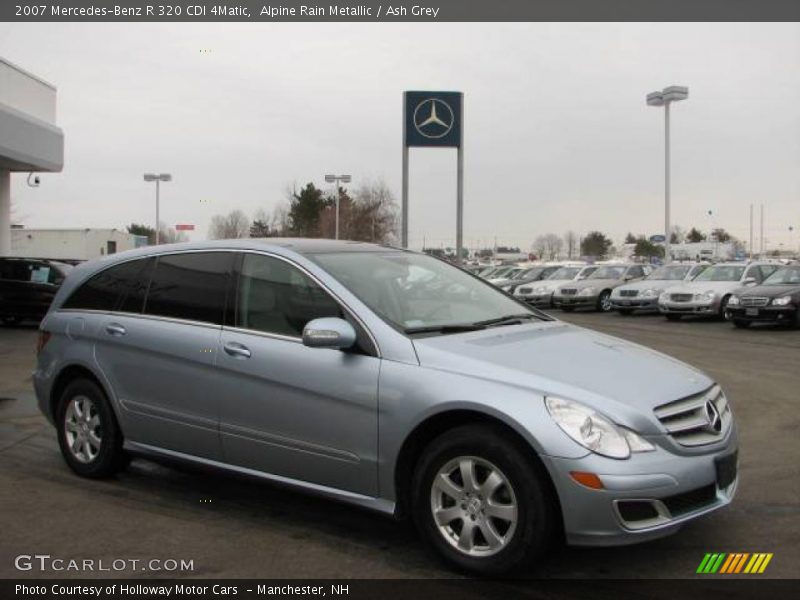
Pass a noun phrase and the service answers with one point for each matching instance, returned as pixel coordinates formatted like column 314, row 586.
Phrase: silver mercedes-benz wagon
column 387, row 379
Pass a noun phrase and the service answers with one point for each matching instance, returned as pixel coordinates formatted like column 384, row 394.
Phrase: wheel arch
column 433, row 426
column 67, row 375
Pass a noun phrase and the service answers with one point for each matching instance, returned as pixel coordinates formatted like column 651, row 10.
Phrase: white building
column 30, row 141
column 76, row 244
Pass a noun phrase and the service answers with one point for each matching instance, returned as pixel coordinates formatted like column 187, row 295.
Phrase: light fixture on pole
column 664, row 98
column 158, row 179
column 337, row 179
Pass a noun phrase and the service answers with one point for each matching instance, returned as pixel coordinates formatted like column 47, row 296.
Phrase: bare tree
column 168, row 235
column 234, row 225
column 548, row 246
column 571, row 242
column 373, row 214
column 539, row 246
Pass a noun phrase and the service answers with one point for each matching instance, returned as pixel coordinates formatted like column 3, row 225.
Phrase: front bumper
column 637, row 303
column 692, row 307
column 764, row 314
column 539, row 300
column 576, row 301
column 673, row 488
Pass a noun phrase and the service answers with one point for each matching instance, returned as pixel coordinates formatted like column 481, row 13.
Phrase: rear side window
column 190, row 286
column 104, row 290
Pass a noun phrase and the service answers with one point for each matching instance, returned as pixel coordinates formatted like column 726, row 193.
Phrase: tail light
column 41, row 342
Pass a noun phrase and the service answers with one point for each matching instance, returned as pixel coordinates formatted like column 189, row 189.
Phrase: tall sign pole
column 434, row 120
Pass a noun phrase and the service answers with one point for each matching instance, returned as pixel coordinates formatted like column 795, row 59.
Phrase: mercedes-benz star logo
column 713, row 418
column 433, row 118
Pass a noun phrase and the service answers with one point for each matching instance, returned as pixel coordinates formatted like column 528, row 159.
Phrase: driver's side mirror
column 329, row 332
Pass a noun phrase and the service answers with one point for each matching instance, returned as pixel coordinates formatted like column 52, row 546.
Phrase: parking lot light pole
column 158, row 179
column 337, row 179
column 664, row 98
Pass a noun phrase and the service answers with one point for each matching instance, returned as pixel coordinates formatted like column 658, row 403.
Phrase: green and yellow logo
column 735, row 562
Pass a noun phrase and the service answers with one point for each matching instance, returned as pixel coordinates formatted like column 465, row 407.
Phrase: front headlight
column 540, row 291
column 733, row 301
column 505, row 288
column 651, row 293
column 782, row 301
column 705, row 296
column 662, row 299
column 589, row 291
column 594, row 431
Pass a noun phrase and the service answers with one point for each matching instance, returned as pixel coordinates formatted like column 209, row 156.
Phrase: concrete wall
column 82, row 244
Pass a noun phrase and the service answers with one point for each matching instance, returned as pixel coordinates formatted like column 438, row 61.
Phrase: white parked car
column 540, row 293
column 643, row 295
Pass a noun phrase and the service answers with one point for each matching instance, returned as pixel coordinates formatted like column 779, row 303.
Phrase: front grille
column 525, row 290
column 628, row 293
column 637, row 510
column 681, row 297
column 569, row 291
column 753, row 301
column 697, row 420
column 680, row 504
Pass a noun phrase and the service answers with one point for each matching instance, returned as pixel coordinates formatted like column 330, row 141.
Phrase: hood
column 647, row 284
column 620, row 379
column 772, row 291
column 550, row 284
column 598, row 283
column 698, row 287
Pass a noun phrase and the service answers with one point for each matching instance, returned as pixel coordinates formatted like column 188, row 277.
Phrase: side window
column 190, row 286
column 132, row 300
column 102, row 291
column 275, row 297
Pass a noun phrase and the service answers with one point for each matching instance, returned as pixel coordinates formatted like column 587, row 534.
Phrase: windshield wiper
column 506, row 320
column 456, row 328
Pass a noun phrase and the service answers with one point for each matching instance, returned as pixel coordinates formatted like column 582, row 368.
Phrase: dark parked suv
column 27, row 286
column 776, row 300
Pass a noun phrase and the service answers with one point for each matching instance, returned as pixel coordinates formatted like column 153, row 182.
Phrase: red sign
column 184, row 227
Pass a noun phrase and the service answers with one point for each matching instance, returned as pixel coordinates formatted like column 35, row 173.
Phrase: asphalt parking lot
column 236, row 528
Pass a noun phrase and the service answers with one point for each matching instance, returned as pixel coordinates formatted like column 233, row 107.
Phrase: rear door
column 158, row 349
column 290, row 410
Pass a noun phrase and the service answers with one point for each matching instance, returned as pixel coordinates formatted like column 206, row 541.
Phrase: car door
column 157, row 351
column 304, row 413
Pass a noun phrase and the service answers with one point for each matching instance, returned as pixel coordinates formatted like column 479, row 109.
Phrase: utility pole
column 751, row 232
column 762, row 248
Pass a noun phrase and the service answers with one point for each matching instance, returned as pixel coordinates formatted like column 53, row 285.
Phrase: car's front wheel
column 88, row 434
column 604, row 302
column 482, row 503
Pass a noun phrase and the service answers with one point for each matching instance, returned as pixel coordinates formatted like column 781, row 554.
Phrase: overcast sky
column 557, row 133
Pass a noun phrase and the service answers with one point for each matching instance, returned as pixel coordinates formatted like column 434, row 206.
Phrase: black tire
column 741, row 323
column 567, row 308
column 673, row 317
column 626, row 312
column 538, row 517
column 796, row 323
column 603, row 304
column 110, row 457
column 724, row 314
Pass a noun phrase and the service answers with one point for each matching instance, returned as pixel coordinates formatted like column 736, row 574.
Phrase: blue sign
column 433, row 118
column 658, row 238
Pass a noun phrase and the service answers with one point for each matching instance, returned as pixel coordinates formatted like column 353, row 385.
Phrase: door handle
column 115, row 329
column 237, row 350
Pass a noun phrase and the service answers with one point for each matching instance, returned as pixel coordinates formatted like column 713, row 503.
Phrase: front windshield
column 607, row 273
column 672, row 273
column 784, row 276
column 486, row 271
column 501, row 272
column 414, row 291
column 529, row 273
column 721, row 273
column 565, row 273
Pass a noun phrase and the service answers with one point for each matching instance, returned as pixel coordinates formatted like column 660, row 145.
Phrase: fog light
column 589, row 480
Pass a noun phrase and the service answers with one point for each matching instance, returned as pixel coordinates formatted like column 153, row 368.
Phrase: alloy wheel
column 82, row 429
column 474, row 506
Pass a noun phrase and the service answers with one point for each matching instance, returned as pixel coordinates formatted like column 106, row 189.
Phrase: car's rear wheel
column 673, row 317
column 604, row 302
column 88, row 433
column 481, row 503
column 724, row 313
column 741, row 323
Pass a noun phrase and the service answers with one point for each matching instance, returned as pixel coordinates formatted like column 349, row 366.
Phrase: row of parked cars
column 742, row 292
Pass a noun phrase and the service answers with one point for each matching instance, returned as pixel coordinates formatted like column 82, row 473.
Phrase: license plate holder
column 726, row 467
column 751, row 312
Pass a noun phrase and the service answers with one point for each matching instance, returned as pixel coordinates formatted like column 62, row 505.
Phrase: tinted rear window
column 104, row 290
column 190, row 286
